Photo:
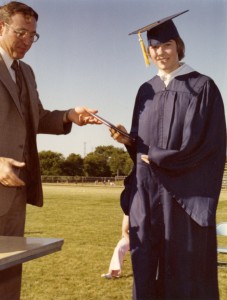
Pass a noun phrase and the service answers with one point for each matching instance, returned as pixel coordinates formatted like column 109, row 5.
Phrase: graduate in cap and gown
column 179, row 154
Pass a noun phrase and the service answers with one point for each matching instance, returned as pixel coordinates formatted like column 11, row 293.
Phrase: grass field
column 89, row 220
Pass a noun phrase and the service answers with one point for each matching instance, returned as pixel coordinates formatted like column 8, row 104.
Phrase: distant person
column 179, row 153
column 22, row 117
column 120, row 251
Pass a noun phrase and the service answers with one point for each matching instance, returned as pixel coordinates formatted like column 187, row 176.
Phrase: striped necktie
column 18, row 75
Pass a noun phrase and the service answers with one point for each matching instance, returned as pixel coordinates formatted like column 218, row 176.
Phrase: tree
column 95, row 164
column 50, row 163
column 119, row 162
column 107, row 161
column 73, row 165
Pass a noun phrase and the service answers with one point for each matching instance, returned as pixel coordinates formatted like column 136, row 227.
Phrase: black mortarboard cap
column 159, row 32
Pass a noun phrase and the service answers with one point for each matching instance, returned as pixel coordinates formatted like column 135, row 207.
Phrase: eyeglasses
column 23, row 33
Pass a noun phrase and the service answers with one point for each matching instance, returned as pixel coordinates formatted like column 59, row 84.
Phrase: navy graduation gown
column 182, row 129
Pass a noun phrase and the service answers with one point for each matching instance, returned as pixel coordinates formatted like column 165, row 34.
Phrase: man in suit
column 22, row 116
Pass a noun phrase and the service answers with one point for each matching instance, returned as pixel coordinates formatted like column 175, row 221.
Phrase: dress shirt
column 8, row 61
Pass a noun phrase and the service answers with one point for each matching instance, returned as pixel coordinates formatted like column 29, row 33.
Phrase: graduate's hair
column 14, row 7
column 180, row 48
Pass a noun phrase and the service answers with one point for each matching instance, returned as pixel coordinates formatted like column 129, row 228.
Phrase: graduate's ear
column 180, row 48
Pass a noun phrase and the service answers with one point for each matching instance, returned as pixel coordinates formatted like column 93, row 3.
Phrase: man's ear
column 1, row 27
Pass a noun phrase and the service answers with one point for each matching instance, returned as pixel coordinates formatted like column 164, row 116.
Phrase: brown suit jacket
column 13, row 131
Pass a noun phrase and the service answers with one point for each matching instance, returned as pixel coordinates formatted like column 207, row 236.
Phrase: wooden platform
column 17, row 250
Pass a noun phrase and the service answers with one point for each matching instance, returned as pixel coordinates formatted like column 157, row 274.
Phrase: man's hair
column 10, row 9
column 180, row 48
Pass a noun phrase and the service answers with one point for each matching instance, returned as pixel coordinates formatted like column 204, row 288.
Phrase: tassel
column 144, row 51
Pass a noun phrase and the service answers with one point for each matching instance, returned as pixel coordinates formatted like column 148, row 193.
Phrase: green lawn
column 89, row 220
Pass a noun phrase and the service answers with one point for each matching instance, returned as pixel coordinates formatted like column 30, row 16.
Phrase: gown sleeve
column 204, row 134
column 195, row 171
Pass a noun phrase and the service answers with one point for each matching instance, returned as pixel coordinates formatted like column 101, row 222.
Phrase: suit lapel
column 32, row 93
column 8, row 82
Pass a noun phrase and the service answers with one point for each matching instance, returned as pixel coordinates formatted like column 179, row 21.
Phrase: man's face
column 165, row 56
column 16, row 38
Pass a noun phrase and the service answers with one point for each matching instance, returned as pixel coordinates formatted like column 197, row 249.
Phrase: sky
column 85, row 57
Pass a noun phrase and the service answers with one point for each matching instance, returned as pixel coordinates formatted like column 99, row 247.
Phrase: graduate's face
column 165, row 56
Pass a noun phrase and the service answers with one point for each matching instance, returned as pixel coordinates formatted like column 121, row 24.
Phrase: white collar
column 7, row 59
column 182, row 70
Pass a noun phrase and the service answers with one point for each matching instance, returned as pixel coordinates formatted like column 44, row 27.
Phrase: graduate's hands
column 145, row 158
column 7, row 174
column 80, row 116
column 120, row 138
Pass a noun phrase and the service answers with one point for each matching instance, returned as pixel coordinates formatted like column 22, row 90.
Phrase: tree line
column 105, row 161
